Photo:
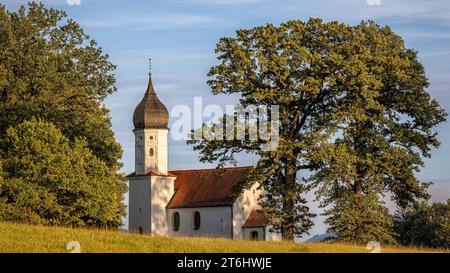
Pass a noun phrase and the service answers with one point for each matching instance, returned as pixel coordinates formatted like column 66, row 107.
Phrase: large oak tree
column 326, row 78
column 52, row 71
column 389, row 127
column 50, row 180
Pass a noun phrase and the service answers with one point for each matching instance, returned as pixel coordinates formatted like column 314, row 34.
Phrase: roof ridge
column 150, row 173
column 209, row 169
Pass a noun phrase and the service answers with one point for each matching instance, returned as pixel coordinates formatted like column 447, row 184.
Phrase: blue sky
column 180, row 36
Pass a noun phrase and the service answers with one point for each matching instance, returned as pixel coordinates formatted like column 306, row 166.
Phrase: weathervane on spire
column 149, row 66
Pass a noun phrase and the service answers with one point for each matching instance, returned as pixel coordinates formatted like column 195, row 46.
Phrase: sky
column 180, row 36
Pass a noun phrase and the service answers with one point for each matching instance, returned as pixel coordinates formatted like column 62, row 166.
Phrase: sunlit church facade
column 167, row 202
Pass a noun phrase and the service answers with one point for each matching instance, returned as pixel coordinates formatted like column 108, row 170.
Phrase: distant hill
column 321, row 237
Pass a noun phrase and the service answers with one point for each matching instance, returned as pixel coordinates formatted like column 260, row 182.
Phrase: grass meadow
column 28, row 238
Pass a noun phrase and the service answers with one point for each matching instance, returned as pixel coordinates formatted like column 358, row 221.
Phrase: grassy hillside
column 27, row 238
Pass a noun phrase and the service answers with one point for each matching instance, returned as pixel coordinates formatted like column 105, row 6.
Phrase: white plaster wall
column 264, row 234
column 247, row 231
column 242, row 208
column 214, row 222
column 148, row 198
column 139, row 153
column 162, row 151
column 139, row 209
column 271, row 236
column 162, row 190
column 145, row 140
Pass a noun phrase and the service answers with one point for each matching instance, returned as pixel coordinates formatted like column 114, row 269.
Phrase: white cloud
column 356, row 10
column 431, row 9
column 435, row 53
column 25, row 2
column 150, row 21
column 226, row 2
column 419, row 9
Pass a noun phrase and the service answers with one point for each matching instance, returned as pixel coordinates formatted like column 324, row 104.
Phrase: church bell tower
column 150, row 121
column 151, row 186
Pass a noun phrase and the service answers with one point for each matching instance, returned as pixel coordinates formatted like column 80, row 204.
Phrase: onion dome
column 150, row 112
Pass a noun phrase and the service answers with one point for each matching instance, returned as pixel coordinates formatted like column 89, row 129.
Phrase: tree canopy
column 48, row 179
column 389, row 124
column 425, row 225
column 59, row 154
column 353, row 111
column 50, row 69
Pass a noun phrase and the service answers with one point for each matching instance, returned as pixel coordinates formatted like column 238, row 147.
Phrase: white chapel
column 167, row 202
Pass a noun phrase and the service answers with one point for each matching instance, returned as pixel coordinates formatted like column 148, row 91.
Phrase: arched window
column 196, row 220
column 254, row 236
column 176, row 221
column 151, row 152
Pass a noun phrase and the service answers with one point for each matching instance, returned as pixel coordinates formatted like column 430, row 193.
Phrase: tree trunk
column 288, row 223
column 357, row 188
column 358, row 185
column 360, row 151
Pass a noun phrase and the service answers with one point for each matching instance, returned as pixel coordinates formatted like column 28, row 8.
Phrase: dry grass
column 27, row 238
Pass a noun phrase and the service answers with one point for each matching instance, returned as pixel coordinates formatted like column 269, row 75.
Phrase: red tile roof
column 206, row 188
column 255, row 219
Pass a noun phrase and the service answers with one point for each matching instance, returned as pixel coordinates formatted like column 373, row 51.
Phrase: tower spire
column 150, row 112
column 150, row 89
column 149, row 66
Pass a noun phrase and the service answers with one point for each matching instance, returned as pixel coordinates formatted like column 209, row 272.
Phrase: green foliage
column 297, row 66
column 360, row 219
column 389, row 123
column 51, row 180
column 354, row 111
column 64, row 171
column 50, row 69
column 298, row 218
column 425, row 225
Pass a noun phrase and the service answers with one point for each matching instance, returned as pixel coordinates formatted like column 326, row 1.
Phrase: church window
column 196, row 220
column 176, row 221
column 141, row 231
column 151, row 152
column 151, row 137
